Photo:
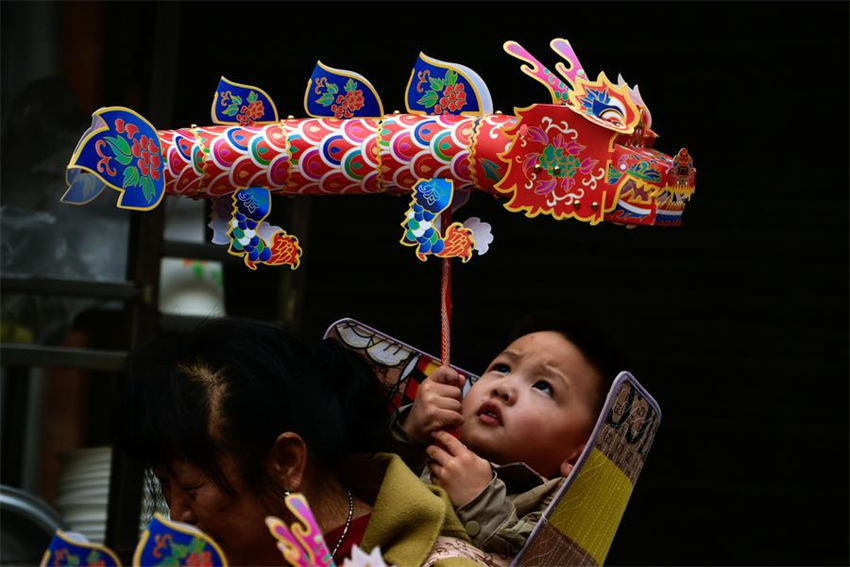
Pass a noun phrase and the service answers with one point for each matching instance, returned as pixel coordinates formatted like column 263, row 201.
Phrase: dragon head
column 590, row 155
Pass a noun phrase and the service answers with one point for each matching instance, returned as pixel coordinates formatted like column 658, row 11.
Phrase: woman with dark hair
column 239, row 413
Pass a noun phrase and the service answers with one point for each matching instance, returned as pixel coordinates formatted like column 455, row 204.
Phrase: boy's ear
column 288, row 460
column 570, row 462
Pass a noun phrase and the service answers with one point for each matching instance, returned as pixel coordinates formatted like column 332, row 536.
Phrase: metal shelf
column 12, row 354
column 177, row 249
column 121, row 290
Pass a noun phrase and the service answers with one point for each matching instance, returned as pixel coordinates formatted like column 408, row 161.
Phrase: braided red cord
column 446, row 299
column 446, row 311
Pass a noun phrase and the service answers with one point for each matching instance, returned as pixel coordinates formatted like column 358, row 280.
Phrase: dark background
column 737, row 321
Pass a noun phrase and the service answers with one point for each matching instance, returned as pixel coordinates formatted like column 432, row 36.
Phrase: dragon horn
column 538, row 72
column 563, row 48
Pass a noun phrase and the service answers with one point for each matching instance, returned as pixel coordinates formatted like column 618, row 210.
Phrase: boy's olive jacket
column 409, row 518
column 501, row 518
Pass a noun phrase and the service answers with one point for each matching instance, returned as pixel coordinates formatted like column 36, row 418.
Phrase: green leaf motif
column 350, row 85
column 428, row 100
column 73, row 560
column 121, row 149
column 170, row 562
column 326, row 99
column 332, row 88
column 437, row 84
column 122, row 144
column 179, row 551
column 236, row 99
column 124, row 159
column 252, row 96
column 231, row 110
column 491, row 169
column 148, row 188
column 93, row 557
column 131, row 177
column 197, row 545
column 450, row 78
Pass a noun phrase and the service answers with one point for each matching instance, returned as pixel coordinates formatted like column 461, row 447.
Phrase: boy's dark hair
column 599, row 348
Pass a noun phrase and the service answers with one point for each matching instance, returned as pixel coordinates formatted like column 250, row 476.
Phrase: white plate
column 94, row 534
column 81, row 487
column 96, row 537
column 86, row 453
column 100, row 489
column 76, row 470
column 77, row 486
column 97, row 496
column 84, row 476
column 88, row 527
column 86, row 460
column 83, row 511
column 72, row 501
column 84, row 467
column 76, row 514
column 98, row 464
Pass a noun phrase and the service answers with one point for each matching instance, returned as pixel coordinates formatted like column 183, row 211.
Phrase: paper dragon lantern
column 588, row 155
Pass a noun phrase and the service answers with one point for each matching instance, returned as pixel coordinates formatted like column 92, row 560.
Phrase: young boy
column 522, row 426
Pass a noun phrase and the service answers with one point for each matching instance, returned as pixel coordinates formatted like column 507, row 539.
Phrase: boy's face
column 534, row 404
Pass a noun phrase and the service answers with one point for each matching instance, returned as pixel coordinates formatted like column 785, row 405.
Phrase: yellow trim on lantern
column 593, row 505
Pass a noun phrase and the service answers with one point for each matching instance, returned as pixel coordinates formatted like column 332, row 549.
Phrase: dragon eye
column 612, row 115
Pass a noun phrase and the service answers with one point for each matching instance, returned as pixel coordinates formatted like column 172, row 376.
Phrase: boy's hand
column 457, row 470
column 437, row 405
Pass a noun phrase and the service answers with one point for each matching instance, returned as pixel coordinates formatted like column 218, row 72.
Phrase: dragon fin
column 482, row 234
column 221, row 213
column 422, row 223
column 83, row 187
column 66, row 547
column 160, row 530
column 253, row 239
column 235, row 103
column 121, row 150
column 336, row 93
column 427, row 91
